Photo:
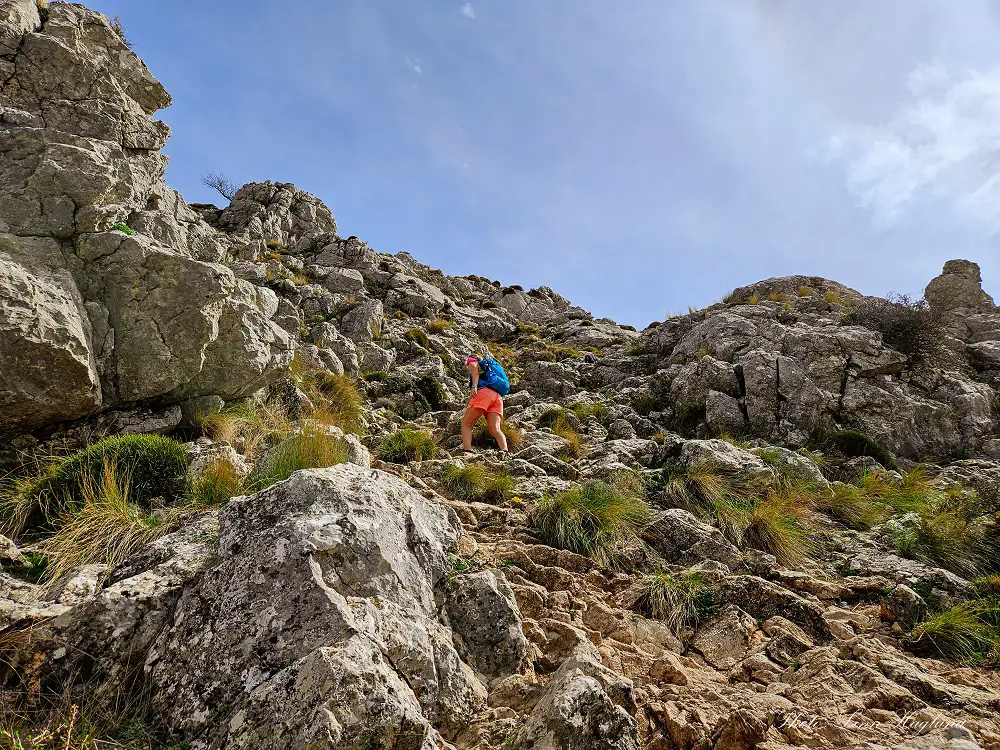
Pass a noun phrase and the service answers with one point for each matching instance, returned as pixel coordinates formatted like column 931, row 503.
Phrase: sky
column 639, row 157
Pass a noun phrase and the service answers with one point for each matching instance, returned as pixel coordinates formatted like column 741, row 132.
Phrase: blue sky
column 638, row 157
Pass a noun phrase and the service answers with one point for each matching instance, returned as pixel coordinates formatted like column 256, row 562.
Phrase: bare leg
column 493, row 420
column 472, row 416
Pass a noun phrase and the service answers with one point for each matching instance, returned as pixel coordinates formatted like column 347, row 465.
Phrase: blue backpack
column 492, row 376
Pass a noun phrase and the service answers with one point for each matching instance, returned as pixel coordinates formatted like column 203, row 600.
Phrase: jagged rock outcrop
column 119, row 318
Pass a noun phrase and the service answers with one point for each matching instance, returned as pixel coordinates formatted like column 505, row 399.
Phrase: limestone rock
column 342, row 562
column 958, row 286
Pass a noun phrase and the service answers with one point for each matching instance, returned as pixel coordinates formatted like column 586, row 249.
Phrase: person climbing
column 488, row 385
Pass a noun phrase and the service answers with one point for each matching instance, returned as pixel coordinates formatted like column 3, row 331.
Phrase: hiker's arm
column 474, row 372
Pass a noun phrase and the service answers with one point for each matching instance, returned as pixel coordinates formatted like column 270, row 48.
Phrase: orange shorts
column 487, row 400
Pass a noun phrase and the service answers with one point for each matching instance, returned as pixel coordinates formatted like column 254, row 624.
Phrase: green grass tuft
column 966, row 634
column 313, row 448
column 405, row 445
column 681, row 601
column 478, row 483
column 599, row 519
column 419, row 337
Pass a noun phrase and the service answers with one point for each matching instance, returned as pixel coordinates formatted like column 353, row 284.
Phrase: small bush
column 832, row 297
column 680, row 601
column 548, row 417
column 645, row 403
column 432, row 391
column 851, row 443
column 375, row 376
column 908, row 326
column 124, row 228
column 418, row 337
column 599, row 519
column 312, row 448
column 777, row 297
column 438, row 325
column 249, row 426
column 966, row 633
column 217, row 483
column 153, row 463
column 105, row 528
column 405, row 445
column 638, row 349
column 782, row 523
column 804, row 291
column 476, row 482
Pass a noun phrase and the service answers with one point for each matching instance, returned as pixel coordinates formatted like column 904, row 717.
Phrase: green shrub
column 375, row 376
column 125, row 228
column 680, row 601
column 432, row 391
column 340, row 402
column 966, row 634
column 852, row 443
column 598, row 519
column 548, row 417
column 418, row 337
column 313, row 448
column 908, row 326
column 597, row 410
column 153, row 463
column 405, row 445
column 988, row 586
column 574, row 442
column 477, row 482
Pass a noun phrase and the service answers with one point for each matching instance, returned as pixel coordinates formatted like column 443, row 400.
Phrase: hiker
column 488, row 385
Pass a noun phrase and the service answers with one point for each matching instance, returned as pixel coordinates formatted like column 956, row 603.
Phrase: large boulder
column 958, row 286
column 318, row 621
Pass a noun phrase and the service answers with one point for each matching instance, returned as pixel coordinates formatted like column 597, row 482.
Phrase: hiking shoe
column 503, row 455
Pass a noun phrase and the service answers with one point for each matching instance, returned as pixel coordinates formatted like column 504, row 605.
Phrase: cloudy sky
column 639, row 157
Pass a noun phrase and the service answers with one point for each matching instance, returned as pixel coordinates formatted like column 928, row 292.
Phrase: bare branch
column 220, row 182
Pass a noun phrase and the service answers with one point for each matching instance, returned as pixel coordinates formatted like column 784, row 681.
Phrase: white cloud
column 468, row 11
column 414, row 65
column 944, row 143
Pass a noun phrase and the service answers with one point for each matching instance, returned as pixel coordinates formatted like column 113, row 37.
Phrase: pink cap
column 470, row 360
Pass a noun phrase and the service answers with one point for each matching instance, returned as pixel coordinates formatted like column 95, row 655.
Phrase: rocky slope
column 371, row 605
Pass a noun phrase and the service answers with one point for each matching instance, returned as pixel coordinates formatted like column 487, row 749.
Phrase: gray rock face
column 89, row 317
column 578, row 711
column 487, row 623
column 321, row 602
column 681, row 538
column 958, row 286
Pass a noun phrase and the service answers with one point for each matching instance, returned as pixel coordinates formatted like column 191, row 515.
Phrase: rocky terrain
column 236, row 503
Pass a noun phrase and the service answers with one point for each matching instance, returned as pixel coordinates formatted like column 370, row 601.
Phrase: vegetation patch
column 418, row 337
column 966, row 634
column 481, row 437
column 105, row 527
column 681, row 600
column 153, row 463
column 477, row 483
column 599, row 519
column 909, row 326
column 313, row 448
column 405, row 445
column 439, row 325
column 217, row 483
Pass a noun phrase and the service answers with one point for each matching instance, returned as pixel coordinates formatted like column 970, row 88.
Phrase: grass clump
column 988, row 586
column 439, row 325
column 123, row 228
column 106, row 528
column 481, row 437
column 583, row 412
column 336, row 398
column 909, row 326
column 681, row 601
column 967, row 633
column 478, row 483
column 599, row 519
column 249, row 426
column 405, row 445
column 313, row 448
column 418, row 337
column 153, row 463
column 804, row 291
column 574, row 442
column 218, row 482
